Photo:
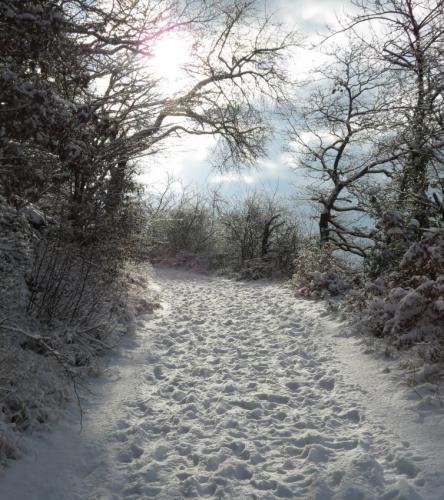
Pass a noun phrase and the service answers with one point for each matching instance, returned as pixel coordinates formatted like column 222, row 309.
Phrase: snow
column 35, row 217
column 239, row 390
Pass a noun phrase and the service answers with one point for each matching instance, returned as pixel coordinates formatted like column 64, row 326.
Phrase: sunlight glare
column 171, row 54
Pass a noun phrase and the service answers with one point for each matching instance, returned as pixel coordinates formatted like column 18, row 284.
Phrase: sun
column 171, row 55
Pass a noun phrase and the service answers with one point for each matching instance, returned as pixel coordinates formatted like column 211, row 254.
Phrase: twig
column 79, row 403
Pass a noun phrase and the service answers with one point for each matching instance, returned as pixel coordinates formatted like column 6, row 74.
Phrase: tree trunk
column 116, row 187
column 324, row 231
column 414, row 182
column 266, row 234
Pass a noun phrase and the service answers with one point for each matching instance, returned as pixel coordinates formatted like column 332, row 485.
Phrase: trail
column 238, row 391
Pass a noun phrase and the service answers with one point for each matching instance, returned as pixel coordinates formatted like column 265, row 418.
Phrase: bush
column 62, row 303
column 318, row 272
column 410, row 306
column 394, row 233
column 254, row 237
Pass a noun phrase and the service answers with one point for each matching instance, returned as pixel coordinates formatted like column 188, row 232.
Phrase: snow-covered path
column 236, row 390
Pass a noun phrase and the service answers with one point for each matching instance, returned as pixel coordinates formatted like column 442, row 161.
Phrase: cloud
column 312, row 16
column 186, row 159
column 231, row 177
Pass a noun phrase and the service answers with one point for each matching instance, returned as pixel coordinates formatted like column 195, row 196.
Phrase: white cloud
column 311, row 16
column 184, row 159
column 232, row 177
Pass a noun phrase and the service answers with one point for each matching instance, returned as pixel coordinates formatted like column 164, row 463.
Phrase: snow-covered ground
column 239, row 390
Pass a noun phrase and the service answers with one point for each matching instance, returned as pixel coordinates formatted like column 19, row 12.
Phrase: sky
column 189, row 159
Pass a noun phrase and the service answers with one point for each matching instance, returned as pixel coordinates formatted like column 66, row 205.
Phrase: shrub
column 410, row 306
column 318, row 272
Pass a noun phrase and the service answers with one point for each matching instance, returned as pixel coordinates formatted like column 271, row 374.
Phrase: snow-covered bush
column 426, row 256
column 60, row 308
column 409, row 306
column 318, row 272
column 393, row 234
column 27, row 397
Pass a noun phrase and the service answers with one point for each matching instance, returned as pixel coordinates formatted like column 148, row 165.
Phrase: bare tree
column 236, row 72
column 341, row 135
column 412, row 45
column 258, row 226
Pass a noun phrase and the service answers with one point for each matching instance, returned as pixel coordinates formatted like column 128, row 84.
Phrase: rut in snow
column 232, row 391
